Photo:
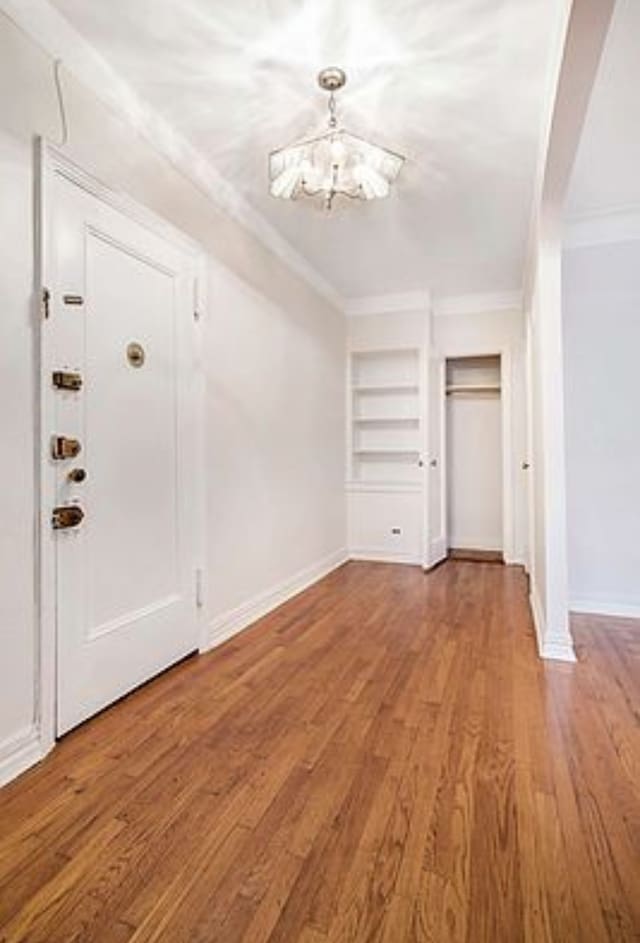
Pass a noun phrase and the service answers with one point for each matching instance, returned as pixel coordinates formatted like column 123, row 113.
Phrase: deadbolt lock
column 66, row 380
column 62, row 447
column 66, row 516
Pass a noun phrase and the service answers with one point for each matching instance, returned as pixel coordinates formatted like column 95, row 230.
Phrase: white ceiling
column 456, row 85
column 606, row 174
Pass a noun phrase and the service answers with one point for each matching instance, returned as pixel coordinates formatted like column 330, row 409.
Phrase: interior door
column 121, row 337
column 437, row 543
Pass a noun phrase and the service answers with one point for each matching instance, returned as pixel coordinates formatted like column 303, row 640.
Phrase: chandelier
column 335, row 163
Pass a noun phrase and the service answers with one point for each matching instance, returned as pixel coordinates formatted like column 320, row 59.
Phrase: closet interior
column 474, row 486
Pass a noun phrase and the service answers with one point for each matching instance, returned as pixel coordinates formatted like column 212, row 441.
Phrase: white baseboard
column 549, row 647
column 19, row 752
column 472, row 543
column 384, row 556
column 598, row 607
column 229, row 623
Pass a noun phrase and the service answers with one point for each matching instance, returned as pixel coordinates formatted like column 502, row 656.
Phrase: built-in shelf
column 473, row 388
column 386, row 451
column 386, row 388
column 386, row 420
column 386, row 426
column 397, row 486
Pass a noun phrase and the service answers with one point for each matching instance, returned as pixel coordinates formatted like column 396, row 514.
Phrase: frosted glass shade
column 336, row 163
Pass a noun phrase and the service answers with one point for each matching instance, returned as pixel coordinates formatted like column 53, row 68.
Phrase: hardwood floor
column 382, row 759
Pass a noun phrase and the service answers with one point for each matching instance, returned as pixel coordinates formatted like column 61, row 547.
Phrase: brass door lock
column 66, row 516
column 77, row 475
column 63, row 448
column 66, row 380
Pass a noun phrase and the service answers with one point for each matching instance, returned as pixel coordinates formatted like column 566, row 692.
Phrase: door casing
column 508, row 457
column 51, row 162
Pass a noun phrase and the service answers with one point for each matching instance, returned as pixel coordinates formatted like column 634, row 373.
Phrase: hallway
column 382, row 758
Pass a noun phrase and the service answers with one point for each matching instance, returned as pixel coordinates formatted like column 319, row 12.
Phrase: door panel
column 130, row 434
column 125, row 577
column 437, row 544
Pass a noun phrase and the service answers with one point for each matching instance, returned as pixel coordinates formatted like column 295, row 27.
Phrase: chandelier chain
column 333, row 121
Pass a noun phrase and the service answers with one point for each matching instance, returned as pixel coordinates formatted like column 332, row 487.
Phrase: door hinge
column 199, row 588
column 45, row 298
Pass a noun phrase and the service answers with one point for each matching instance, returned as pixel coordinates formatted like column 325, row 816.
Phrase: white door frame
column 508, row 458
column 52, row 162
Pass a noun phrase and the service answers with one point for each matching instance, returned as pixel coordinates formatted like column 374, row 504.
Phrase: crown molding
column 39, row 20
column 479, row 303
column 601, row 226
column 388, row 304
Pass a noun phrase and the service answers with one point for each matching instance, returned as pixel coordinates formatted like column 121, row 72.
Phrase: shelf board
column 387, row 388
column 473, row 388
column 383, row 451
column 384, row 420
column 384, row 351
column 383, row 485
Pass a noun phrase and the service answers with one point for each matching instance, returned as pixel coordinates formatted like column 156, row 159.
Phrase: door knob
column 77, row 475
column 525, row 466
column 66, row 516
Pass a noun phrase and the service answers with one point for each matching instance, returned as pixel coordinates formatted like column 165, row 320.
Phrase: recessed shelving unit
column 386, row 416
column 471, row 375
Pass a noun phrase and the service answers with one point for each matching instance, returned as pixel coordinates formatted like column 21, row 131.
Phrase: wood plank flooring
column 382, row 759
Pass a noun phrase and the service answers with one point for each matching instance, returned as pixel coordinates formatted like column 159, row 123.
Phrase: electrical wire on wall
column 64, row 129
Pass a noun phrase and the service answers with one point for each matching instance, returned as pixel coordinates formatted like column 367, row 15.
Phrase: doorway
column 118, row 446
column 474, row 458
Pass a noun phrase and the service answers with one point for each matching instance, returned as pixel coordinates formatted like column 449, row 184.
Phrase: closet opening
column 474, row 460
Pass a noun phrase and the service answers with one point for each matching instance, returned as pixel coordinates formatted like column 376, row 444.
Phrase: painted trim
column 235, row 620
column 408, row 301
column 367, row 555
column 549, row 648
column 479, row 303
column 58, row 38
column 600, row 607
column 601, row 227
column 19, row 752
column 418, row 301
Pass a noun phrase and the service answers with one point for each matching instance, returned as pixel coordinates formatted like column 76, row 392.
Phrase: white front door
column 121, row 321
column 437, row 543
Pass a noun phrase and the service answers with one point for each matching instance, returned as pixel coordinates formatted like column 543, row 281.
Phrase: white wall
column 275, row 377
column 275, row 444
column 601, row 322
column 490, row 332
column 549, row 589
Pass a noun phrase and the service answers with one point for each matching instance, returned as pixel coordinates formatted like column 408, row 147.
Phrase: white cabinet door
column 125, row 576
column 437, row 543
